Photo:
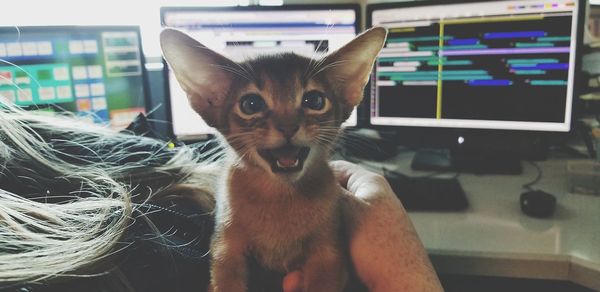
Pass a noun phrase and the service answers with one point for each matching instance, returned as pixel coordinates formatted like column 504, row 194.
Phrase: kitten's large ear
column 351, row 65
column 200, row 73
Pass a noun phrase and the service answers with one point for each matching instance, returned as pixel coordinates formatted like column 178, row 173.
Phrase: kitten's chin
column 287, row 159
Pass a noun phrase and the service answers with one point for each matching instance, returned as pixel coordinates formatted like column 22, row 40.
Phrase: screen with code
column 492, row 65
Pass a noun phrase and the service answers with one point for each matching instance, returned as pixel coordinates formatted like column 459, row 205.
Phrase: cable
column 537, row 178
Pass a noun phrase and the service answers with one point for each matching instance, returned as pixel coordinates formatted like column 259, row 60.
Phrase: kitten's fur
column 285, row 215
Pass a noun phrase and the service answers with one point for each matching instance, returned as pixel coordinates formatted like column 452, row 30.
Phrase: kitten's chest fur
column 278, row 222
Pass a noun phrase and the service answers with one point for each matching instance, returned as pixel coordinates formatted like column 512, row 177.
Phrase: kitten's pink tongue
column 287, row 156
column 287, row 162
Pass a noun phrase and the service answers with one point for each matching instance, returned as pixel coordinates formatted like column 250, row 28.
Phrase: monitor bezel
column 451, row 132
column 94, row 29
column 166, row 9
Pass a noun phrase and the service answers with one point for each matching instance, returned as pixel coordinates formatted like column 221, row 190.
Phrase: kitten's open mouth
column 288, row 158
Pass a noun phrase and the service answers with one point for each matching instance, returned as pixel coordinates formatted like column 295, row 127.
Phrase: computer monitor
column 96, row 72
column 242, row 32
column 487, row 66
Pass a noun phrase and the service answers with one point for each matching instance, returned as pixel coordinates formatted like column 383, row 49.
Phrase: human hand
column 384, row 247
column 363, row 184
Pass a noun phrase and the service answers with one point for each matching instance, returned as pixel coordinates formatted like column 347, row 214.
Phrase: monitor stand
column 471, row 162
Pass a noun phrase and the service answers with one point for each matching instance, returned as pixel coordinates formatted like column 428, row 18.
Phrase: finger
column 293, row 282
column 342, row 171
column 361, row 182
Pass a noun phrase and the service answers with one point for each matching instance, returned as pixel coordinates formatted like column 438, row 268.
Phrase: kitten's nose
column 288, row 130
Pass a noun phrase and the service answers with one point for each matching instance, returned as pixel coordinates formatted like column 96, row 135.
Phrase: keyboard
column 428, row 193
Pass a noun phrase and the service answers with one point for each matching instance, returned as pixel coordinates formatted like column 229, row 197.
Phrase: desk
column 494, row 238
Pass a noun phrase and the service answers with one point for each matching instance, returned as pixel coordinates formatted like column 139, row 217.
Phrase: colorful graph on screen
column 92, row 72
column 512, row 67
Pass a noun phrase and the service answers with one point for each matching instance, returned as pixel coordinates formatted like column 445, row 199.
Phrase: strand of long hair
column 68, row 210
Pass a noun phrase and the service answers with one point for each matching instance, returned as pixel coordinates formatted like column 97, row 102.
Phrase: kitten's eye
column 313, row 100
column 251, row 104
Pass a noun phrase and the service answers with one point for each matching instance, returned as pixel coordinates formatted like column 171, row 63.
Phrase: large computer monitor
column 476, row 66
column 95, row 72
column 242, row 32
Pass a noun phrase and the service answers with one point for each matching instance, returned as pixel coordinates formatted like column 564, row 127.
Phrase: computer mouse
column 538, row 203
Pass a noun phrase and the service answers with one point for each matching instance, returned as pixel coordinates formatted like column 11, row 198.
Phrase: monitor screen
column 506, row 65
column 95, row 72
column 243, row 32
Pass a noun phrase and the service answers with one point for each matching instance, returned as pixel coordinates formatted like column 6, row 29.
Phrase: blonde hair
column 67, row 230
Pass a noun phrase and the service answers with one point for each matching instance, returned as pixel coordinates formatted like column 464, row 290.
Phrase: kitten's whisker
column 242, row 133
column 358, row 142
column 234, row 71
column 349, row 139
column 326, row 144
column 331, row 129
column 315, row 66
column 243, row 144
column 328, row 138
column 245, row 151
column 312, row 64
column 325, row 138
column 239, row 143
column 314, row 61
column 331, row 136
column 240, row 137
column 247, row 67
column 328, row 66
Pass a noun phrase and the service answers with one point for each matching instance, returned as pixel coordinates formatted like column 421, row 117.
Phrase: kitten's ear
column 200, row 73
column 351, row 65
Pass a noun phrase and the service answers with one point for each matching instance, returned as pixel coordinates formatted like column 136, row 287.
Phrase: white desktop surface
column 494, row 238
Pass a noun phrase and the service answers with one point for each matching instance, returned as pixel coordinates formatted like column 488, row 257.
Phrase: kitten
column 279, row 201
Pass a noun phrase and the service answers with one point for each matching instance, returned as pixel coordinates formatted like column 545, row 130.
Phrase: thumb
column 292, row 282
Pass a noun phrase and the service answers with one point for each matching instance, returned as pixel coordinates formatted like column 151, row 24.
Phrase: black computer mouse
column 538, row 203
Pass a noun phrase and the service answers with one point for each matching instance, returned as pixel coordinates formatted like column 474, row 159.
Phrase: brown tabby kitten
column 279, row 200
